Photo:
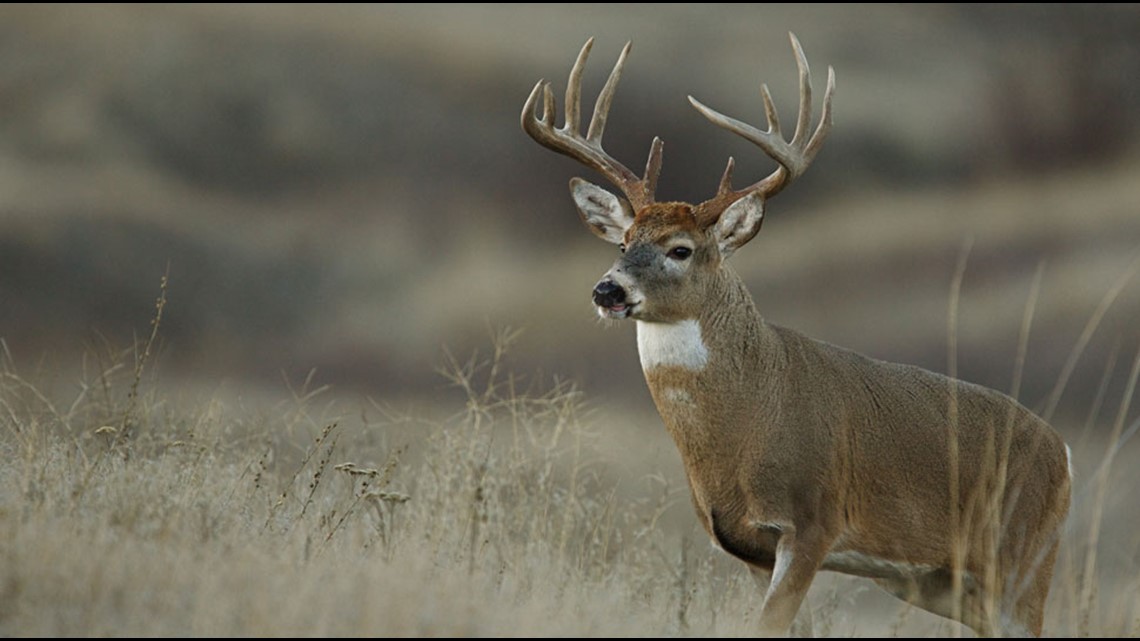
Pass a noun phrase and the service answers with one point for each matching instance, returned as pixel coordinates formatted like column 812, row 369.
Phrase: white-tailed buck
column 802, row 456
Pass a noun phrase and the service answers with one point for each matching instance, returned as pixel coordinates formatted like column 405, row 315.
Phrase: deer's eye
column 621, row 247
column 680, row 252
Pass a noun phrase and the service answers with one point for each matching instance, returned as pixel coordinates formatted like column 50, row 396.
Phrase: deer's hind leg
column 1027, row 613
column 934, row 591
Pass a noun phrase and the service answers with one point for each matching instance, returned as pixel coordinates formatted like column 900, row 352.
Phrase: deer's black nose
column 608, row 294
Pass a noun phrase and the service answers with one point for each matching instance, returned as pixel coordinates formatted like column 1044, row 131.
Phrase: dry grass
column 493, row 522
column 123, row 515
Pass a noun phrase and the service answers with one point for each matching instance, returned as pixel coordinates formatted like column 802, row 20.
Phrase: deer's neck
column 714, row 374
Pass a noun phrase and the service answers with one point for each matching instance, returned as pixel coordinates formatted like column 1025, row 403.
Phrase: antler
column 588, row 151
column 794, row 157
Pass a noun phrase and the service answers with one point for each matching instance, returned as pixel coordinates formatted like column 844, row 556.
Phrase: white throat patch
column 676, row 344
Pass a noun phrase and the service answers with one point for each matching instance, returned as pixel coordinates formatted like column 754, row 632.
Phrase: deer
column 800, row 455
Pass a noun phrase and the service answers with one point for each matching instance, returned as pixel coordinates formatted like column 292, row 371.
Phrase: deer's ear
column 604, row 213
column 739, row 223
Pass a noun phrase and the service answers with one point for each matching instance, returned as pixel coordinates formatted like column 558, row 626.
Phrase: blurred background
column 347, row 188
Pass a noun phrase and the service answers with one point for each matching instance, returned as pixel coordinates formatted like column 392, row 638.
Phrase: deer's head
column 670, row 251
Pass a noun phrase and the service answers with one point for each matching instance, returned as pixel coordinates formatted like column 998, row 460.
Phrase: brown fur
column 853, row 454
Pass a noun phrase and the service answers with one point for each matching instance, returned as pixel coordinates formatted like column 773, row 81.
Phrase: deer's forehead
column 661, row 221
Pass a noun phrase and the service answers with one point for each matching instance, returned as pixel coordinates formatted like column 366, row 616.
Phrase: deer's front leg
column 804, row 626
column 798, row 557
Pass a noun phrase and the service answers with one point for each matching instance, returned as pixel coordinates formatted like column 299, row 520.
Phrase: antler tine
column 725, row 187
column 770, row 112
column 574, row 89
column 795, row 156
column 803, row 119
column 824, row 126
column 653, row 166
column 602, row 107
column 549, row 109
column 569, row 141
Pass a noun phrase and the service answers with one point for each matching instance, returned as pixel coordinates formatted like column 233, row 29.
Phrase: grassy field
column 126, row 511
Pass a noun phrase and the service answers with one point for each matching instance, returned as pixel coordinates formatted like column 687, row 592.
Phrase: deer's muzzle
column 610, row 296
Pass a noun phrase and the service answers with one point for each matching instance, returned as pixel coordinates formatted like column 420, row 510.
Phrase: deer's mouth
column 617, row 310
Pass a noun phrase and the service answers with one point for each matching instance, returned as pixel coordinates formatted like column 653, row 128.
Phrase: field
column 328, row 425
column 124, row 514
